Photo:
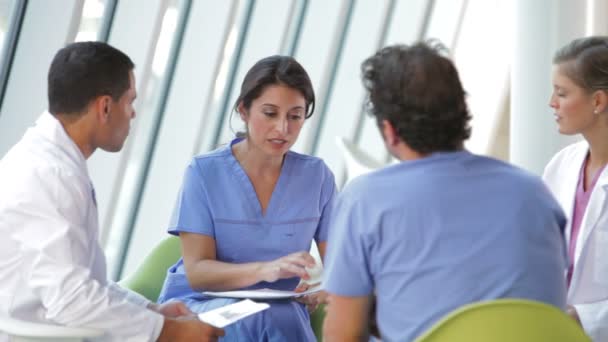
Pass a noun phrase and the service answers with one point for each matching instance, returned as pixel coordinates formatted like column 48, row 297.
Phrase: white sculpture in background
column 357, row 161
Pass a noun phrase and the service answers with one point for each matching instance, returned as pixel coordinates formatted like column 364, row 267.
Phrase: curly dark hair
column 418, row 91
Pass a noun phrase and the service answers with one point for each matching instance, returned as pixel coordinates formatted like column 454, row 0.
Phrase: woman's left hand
column 313, row 300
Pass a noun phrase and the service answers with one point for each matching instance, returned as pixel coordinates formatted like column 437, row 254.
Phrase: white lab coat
column 589, row 285
column 52, row 268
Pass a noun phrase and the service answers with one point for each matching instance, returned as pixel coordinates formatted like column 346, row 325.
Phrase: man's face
column 119, row 115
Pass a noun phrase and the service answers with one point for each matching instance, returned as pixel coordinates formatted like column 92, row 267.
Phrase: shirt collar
column 51, row 129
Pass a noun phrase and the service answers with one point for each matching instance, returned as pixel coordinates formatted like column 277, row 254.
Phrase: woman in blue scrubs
column 247, row 212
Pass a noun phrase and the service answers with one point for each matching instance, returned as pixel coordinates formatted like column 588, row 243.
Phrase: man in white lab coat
column 51, row 264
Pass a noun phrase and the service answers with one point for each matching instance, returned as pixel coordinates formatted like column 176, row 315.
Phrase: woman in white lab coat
column 578, row 176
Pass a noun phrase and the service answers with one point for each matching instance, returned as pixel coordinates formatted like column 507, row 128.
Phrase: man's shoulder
column 26, row 167
column 380, row 185
column 506, row 171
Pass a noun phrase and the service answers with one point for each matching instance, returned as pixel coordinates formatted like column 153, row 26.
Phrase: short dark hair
column 82, row 71
column 419, row 92
column 589, row 57
column 276, row 70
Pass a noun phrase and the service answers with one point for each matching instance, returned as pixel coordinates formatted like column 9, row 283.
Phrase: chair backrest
column 357, row 161
column 506, row 320
column 149, row 277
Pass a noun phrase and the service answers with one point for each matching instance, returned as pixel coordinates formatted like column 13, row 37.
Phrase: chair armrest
column 41, row 331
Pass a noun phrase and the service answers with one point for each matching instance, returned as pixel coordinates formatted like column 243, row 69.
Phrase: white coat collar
column 573, row 162
column 49, row 128
column 594, row 209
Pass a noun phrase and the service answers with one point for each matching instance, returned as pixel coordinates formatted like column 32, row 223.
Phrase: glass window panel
column 264, row 37
column 344, row 108
column 485, row 73
column 137, row 38
column 10, row 19
column 230, row 52
column 25, row 94
column 144, row 135
column 6, row 9
column 406, row 21
column 445, row 20
column 181, row 126
column 91, row 21
column 406, row 26
column 315, row 54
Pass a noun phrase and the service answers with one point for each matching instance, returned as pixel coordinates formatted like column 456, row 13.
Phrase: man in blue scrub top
column 442, row 228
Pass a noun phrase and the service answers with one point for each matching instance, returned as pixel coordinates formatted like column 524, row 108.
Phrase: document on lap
column 229, row 314
column 262, row 293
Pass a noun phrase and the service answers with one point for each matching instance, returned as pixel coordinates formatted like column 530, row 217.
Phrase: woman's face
column 274, row 119
column 573, row 104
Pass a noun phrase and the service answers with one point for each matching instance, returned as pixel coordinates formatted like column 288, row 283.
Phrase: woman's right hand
column 289, row 266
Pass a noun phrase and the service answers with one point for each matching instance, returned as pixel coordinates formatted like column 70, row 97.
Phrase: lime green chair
column 506, row 320
column 148, row 278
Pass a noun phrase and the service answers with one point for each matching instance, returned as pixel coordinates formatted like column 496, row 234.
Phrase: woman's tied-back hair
column 585, row 61
column 276, row 70
column 419, row 92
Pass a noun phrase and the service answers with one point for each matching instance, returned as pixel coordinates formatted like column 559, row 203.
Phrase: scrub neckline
column 275, row 203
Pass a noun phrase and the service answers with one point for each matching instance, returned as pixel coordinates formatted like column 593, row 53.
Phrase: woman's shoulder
column 222, row 152
column 209, row 161
column 566, row 158
column 307, row 161
column 571, row 151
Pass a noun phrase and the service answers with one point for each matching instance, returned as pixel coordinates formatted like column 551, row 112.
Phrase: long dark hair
column 275, row 70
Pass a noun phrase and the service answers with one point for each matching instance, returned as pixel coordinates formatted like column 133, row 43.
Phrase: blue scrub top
column 430, row 235
column 217, row 199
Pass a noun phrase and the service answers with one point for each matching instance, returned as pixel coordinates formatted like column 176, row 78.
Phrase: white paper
column 262, row 293
column 229, row 314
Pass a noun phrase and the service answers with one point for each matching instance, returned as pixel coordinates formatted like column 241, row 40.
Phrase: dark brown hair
column 82, row 71
column 275, row 70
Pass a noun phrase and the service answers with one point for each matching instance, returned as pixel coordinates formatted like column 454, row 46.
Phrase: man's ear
column 389, row 133
column 102, row 108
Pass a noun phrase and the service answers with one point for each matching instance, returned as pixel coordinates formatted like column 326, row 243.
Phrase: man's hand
column 172, row 309
column 188, row 329
column 313, row 300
